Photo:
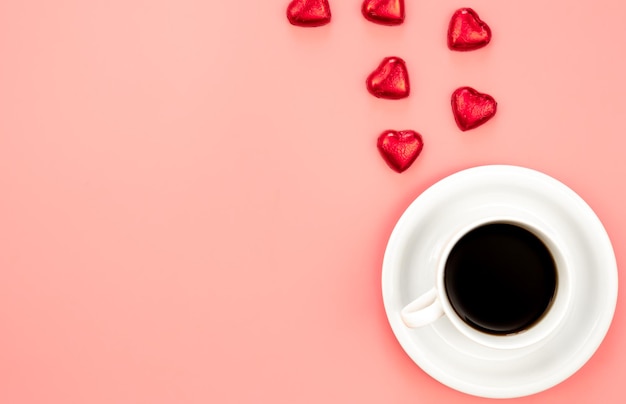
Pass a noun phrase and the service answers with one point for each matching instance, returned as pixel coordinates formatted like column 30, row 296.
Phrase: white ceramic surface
column 459, row 200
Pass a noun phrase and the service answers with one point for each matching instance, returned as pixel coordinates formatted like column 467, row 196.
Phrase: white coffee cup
column 435, row 303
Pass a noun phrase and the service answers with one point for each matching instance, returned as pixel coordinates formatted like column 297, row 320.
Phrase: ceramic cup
column 436, row 302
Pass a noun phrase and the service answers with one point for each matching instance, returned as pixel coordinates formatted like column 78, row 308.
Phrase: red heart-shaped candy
column 390, row 80
column 471, row 108
column 308, row 13
column 400, row 148
column 467, row 32
column 384, row 12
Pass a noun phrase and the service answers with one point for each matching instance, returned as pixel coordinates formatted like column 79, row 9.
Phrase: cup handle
column 423, row 310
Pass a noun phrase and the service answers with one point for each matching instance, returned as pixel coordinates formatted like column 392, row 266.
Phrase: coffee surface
column 500, row 278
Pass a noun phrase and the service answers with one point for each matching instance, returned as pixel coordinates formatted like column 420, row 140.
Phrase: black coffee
column 500, row 278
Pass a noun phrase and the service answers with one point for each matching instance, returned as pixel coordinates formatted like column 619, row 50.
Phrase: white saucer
column 442, row 351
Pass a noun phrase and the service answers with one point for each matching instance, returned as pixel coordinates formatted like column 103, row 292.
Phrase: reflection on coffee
column 500, row 278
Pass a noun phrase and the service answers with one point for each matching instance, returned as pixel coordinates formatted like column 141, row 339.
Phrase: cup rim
column 553, row 316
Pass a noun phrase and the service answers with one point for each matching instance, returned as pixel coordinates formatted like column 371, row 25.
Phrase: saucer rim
column 597, row 331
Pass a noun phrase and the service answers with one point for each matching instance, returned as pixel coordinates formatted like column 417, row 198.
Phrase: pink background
column 193, row 209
